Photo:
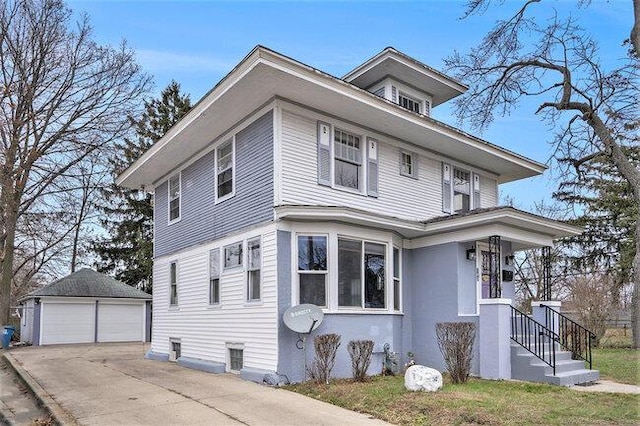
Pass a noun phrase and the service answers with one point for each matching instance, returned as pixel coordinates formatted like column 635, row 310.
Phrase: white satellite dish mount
column 303, row 319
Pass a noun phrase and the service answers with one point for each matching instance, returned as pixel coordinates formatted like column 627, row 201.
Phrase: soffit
column 265, row 75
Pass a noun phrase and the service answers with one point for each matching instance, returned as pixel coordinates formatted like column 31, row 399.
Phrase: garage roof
column 89, row 283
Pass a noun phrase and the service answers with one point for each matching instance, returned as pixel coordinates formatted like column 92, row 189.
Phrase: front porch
column 539, row 345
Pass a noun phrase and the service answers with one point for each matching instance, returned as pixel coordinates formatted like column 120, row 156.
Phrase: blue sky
column 197, row 43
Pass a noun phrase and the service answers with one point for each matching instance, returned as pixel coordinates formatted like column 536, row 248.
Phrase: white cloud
column 157, row 60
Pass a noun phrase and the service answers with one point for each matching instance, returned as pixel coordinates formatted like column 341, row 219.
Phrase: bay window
column 312, row 269
column 361, row 274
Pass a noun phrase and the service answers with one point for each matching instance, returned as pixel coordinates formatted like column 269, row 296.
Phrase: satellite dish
column 303, row 318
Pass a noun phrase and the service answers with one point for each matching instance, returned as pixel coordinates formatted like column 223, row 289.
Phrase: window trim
column 231, row 140
column 235, row 268
column 414, row 165
column 397, row 279
column 298, row 271
column 363, row 302
column 179, row 198
column 453, row 189
column 417, row 102
column 248, row 286
column 211, row 301
column 173, row 284
column 362, row 172
column 228, row 347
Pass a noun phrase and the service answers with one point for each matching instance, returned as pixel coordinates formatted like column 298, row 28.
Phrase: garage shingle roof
column 89, row 283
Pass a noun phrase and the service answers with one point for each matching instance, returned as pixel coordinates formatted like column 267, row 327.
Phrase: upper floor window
column 409, row 103
column 312, row 269
column 173, row 283
column 225, row 162
column 461, row 190
column 348, row 160
column 233, row 256
column 254, row 261
column 361, row 274
column 214, row 276
column 408, row 166
column 174, row 198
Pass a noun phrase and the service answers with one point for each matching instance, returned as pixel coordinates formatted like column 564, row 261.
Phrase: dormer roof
column 391, row 63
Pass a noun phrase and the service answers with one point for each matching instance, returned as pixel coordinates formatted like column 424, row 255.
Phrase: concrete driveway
column 113, row 384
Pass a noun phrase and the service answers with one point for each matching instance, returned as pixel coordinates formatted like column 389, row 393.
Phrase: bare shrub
column 326, row 347
column 360, row 353
column 592, row 300
column 455, row 340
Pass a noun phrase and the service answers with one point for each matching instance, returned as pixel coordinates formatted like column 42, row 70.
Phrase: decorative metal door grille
column 495, row 291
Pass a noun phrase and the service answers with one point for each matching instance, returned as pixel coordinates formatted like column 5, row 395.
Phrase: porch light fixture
column 508, row 260
column 471, row 254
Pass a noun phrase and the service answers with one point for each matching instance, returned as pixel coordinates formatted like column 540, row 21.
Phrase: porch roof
column 524, row 230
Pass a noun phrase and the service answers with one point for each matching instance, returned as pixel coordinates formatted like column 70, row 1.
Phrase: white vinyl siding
column 254, row 325
column 300, row 177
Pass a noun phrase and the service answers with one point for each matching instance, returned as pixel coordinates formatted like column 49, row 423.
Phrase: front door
column 488, row 273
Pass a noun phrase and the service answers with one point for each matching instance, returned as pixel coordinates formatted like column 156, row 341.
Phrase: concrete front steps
column 569, row 372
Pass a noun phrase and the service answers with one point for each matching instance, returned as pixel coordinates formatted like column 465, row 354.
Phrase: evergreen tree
column 128, row 252
column 607, row 210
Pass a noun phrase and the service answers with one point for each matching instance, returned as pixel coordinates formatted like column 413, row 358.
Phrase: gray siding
column 434, row 286
column 201, row 220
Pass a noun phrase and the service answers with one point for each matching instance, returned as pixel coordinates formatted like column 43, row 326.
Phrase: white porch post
column 539, row 313
column 495, row 338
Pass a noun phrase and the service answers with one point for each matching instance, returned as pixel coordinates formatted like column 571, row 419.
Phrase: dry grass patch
column 477, row 402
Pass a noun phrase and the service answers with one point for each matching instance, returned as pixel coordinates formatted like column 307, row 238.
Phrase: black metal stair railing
column 571, row 335
column 534, row 337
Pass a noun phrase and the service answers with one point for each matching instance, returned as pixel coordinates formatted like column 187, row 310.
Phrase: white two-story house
column 285, row 185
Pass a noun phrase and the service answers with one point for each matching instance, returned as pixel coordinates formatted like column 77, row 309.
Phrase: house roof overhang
column 524, row 230
column 265, row 75
column 392, row 63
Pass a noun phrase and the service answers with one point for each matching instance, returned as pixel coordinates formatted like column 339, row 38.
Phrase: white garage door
column 67, row 323
column 120, row 323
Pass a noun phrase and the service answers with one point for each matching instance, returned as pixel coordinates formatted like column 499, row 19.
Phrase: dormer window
column 409, row 103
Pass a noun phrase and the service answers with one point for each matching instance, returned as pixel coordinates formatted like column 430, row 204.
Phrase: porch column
column 494, row 338
column 545, row 316
column 546, row 273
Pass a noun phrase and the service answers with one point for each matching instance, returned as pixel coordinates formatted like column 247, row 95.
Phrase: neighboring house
column 85, row 307
column 285, row 185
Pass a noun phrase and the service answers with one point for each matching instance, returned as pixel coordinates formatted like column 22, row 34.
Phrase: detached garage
column 85, row 307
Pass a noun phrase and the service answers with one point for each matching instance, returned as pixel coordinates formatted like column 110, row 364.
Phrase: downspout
column 95, row 324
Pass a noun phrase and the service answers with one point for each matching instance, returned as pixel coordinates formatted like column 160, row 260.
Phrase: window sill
column 214, row 306
column 174, row 221
column 257, row 302
column 225, row 198
column 409, row 176
column 174, row 308
column 356, row 311
column 348, row 190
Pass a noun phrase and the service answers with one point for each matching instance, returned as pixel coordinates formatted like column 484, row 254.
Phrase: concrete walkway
column 608, row 386
column 112, row 384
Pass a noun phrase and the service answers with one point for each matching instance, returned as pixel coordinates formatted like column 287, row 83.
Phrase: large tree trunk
column 7, row 266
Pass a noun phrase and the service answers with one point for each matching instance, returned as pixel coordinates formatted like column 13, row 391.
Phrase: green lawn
column 619, row 365
column 477, row 402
